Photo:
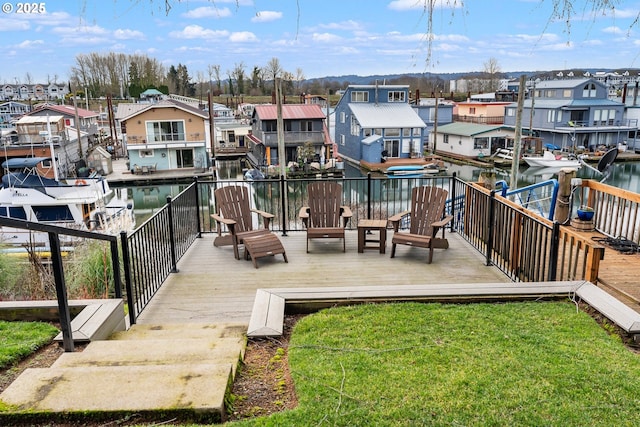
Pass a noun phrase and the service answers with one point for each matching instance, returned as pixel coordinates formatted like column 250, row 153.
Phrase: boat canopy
column 23, row 162
column 25, row 180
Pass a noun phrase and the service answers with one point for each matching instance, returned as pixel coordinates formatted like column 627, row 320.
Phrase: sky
column 320, row 38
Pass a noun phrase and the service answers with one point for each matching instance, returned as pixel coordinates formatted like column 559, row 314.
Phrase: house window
column 472, row 110
column 406, row 132
column 559, row 116
column 367, row 132
column 342, row 139
column 342, row 117
column 392, row 132
column 551, row 116
column 287, row 125
column 146, row 153
column 550, row 93
column 355, row 126
column 270, row 126
column 481, row 143
column 377, row 131
column 232, row 136
column 417, row 132
column 445, row 138
column 396, row 96
column 359, row 96
column 567, row 93
column 165, row 131
column 589, row 90
column 511, row 112
column 306, row 126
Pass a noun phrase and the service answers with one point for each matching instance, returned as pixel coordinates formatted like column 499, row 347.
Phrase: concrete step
column 200, row 388
column 158, row 352
column 181, row 330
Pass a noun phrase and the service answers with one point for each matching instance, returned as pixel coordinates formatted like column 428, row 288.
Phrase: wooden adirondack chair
column 325, row 217
column 426, row 217
column 234, row 211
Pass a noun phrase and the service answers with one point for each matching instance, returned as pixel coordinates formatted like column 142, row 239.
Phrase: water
column 148, row 199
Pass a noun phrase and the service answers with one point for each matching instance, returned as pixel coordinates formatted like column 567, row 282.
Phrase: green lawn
column 515, row 364
column 20, row 339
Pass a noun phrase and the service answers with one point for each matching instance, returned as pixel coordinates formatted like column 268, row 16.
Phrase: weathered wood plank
column 619, row 313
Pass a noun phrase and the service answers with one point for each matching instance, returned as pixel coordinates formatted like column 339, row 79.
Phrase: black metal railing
column 54, row 233
column 152, row 251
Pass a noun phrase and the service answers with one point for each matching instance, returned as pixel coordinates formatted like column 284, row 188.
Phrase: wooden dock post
column 563, row 208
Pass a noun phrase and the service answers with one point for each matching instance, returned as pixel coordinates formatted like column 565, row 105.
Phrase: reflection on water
column 626, row 175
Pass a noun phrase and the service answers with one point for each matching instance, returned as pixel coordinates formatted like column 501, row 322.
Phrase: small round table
column 365, row 227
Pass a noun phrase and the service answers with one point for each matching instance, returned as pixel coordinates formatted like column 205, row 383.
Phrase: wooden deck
column 212, row 286
column 620, row 274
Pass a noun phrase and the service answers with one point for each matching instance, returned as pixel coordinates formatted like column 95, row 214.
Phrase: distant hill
column 381, row 78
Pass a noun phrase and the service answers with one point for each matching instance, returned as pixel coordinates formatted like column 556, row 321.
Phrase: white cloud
column 81, row 31
column 349, row 25
column 420, row 4
column 325, row 37
column 266, row 16
column 613, row 30
column 9, row 25
column 30, row 43
column 207, row 12
column 198, row 32
column 242, row 37
column 128, row 34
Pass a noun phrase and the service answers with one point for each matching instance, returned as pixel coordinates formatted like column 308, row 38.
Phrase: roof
column 289, row 111
column 468, row 129
column 67, row 110
column 133, row 111
column 386, row 115
column 541, row 103
column 151, row 92
column 38, row 119
column 371, row 139
column 559, row 84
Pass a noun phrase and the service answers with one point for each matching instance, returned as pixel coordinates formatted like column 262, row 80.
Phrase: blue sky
column 320, row 37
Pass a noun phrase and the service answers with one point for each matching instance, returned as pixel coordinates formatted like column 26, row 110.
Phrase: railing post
column 554, row 248
column 174, row 267
column 490, row 228
column 61, row 292
column 369, row 183
column 283, row 201
column 115, row 264
column 195, row 180
column 126, row 260
column 453, row 201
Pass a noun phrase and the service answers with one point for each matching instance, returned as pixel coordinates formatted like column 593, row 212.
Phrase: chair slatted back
column 325, row 199
column 427, row 207
column 233, row 203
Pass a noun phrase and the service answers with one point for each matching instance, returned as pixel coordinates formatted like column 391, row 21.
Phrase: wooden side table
column 365, row 227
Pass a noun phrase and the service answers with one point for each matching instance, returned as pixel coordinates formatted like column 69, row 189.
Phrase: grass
column 20, row 339
column 516, row 364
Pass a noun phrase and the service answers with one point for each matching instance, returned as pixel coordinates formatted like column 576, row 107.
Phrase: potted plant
column 585, row 213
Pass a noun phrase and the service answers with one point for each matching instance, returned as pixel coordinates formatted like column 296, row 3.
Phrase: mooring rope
column 620, row 244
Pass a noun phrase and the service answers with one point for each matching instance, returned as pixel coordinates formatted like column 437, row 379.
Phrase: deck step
column 175, row 367
column 121, row 388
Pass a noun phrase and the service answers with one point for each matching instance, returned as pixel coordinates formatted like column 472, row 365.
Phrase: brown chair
column 426, row 217
column 234, row 211
column 325, row 217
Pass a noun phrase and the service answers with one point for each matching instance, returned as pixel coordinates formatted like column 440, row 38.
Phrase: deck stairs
column 181, row 368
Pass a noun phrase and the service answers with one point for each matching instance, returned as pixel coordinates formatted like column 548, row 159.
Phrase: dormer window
column 589, row 90
column 359, row 96
column 396, row 96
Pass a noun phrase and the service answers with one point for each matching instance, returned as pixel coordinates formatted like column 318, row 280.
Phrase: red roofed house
column 302, row 123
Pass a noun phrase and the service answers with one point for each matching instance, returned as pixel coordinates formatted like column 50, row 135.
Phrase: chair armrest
column 444, row 221
column 346, row 214
column 395, row 220
column 228, row 222
column 304, row 215
column 265, row 215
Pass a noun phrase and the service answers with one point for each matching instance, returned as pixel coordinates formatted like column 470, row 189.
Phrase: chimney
column 417, row 96
column 624, row 93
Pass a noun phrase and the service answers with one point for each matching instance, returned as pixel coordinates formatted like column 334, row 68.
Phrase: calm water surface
column 626, row 175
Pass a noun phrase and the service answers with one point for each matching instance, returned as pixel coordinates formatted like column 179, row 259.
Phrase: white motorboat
column 85, row 203
column 548, row 160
